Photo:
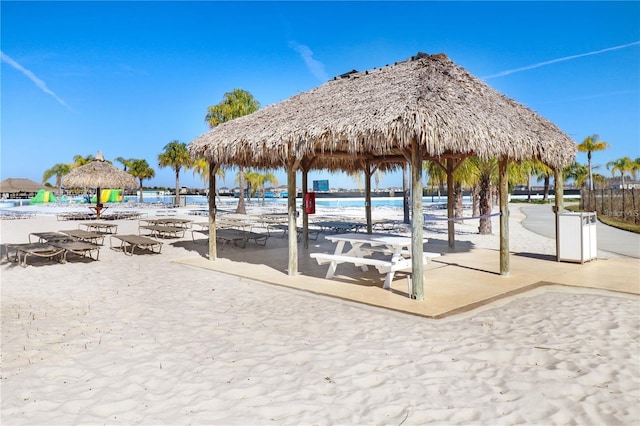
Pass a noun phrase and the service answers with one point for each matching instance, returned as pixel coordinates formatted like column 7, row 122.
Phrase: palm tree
column 486, row 172
column 176, row 156
column 591, row 144
column 262, row 179
column 541, row 171
column 127, row 163
column 578, row 172
column 636, row 168
column 79, row 160
column 58, row 170
column 623, row 165
column 234, row 104
column 141, row 170
column 463, row 176
column 251, row 178
column 436, row 175
column 201, row 167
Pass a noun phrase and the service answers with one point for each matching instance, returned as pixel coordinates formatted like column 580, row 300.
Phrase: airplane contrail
column 31, row 76
column 566, row 58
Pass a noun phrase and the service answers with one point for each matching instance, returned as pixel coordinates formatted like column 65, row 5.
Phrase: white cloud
column 31, row 76
column 566, row 58
column 316, row 67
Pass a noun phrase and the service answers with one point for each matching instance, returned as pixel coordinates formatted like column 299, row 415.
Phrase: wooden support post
column 559, row 204
column 503, row 188
column 305, row 215
column 367, row 196
column 451, row 202
column 406, row 196
column 417, row 222
column 291, row 209
column 213, row 250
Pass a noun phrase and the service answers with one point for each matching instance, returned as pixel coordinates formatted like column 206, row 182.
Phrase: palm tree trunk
column 457, row 188
column 177, row 202
column 484, row 227
column 405, row 194
column 475, row 200
column 241, row 209
column 590, row 173
column 141, row 196
column 545, row 193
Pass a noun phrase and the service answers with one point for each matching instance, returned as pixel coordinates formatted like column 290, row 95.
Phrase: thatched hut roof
column 17, row 185
column 98, row 174
column 375, row 115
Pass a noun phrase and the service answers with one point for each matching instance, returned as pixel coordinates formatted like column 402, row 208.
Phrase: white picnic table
column 395, row 248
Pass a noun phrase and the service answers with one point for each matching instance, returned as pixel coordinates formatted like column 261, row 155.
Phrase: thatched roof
column 375, row 115
column 98, row 174
column 15, row 185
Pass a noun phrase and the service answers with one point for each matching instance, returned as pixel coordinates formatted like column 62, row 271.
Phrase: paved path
column 541, row 220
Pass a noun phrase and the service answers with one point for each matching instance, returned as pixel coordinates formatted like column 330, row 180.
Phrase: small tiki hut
column 98, row 174
column 424, row 108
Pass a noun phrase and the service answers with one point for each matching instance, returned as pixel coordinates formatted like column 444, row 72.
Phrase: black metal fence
column 622, row 204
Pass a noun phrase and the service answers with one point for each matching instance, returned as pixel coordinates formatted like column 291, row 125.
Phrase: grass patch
column 551, row 201
column 617, row 223
column 612, row 221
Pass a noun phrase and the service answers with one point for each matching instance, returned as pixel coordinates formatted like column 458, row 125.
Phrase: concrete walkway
column 541, row 220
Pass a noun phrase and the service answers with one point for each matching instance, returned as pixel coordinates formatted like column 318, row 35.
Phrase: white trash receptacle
column 577, row 237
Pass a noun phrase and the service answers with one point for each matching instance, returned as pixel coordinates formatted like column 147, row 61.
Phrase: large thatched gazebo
column 98, row 174
column 15, row 187
column 424, row 108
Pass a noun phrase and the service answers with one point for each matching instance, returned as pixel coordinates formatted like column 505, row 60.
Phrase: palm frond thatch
column 98, row 174
column 375, row 115
column 15, row 185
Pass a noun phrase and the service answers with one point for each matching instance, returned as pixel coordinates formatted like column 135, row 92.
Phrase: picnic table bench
column 395, row 247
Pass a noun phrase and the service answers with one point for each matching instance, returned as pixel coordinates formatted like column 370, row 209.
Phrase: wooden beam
column 213, row 249
column 291, row 209
column 417, row 222
column 367, row 195
column 503, row 187
column 305, row 215
column 406, row 194
column 451, row 230
column 558, row 183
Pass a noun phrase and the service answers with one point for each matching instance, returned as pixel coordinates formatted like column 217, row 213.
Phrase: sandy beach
column 145, row 340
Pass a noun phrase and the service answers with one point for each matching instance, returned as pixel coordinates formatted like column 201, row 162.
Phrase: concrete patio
column 458, row 281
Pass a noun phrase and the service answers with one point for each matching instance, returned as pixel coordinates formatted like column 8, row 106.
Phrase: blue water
column 201, row 201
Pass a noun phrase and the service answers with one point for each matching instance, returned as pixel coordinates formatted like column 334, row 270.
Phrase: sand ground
column 146, row 340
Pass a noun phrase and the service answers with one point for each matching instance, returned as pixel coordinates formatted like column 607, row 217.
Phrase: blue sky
column 126, row 78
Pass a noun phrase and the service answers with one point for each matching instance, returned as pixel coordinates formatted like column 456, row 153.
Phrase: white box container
column 577, row 239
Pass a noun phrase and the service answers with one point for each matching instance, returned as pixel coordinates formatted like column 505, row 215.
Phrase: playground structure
column 108, row 196
column 43, row 196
